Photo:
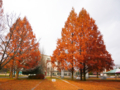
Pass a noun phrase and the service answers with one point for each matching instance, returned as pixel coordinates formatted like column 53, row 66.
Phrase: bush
column 31, row 71
column 37, row 76
column 91, row 73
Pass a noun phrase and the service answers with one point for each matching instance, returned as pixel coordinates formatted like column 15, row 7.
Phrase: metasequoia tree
column 23, row 44
column 69, row 40
column 12, row 49
column 85, row 39
column 84, row 45
column 91, row 46
column 66, row 45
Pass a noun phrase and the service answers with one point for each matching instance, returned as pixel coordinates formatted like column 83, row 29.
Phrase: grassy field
column 59, row 84
column 7, row 75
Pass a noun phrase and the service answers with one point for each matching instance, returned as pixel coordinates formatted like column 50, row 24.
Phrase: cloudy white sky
column 47, row 18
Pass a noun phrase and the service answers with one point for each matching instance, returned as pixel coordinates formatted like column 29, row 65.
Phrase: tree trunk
column 17, row 74
column 80, row 69
column 51, row 73
column 80, row 74
column 0, row 66
column 14, row 66
column 14, row 72
column 11, row 72
column 72, row 73
column 84, row 73
column 97, row 74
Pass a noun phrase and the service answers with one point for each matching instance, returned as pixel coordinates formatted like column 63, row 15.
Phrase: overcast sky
column 47, row 18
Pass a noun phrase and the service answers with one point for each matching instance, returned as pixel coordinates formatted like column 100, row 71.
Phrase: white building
column 54, row 71
column 48, row 65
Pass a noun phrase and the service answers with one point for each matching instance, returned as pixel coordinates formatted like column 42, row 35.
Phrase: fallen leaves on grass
column 47, row 84
column 18, row 84
column 62, row 85
column 97, row 85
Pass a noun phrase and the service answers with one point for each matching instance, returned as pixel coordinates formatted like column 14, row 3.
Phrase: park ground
column 59, row 84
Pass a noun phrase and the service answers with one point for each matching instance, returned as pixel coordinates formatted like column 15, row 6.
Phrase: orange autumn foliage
column 24, row 45
column 91, row 45
column 81, row 45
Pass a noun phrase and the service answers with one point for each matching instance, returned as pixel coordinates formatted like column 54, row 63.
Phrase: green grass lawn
column 4, row 75
column 7, row 75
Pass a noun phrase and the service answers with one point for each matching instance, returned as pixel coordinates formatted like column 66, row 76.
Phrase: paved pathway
column 58, row 84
